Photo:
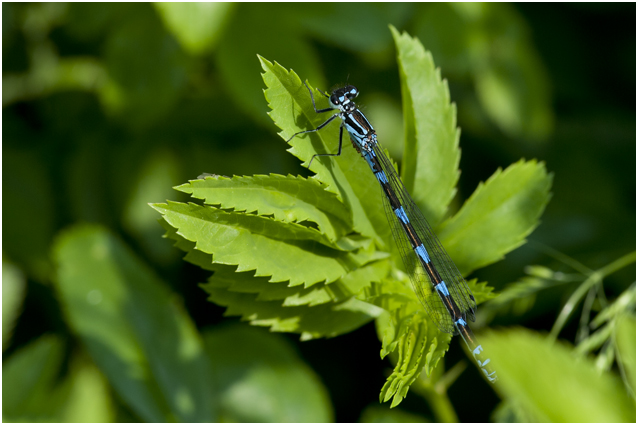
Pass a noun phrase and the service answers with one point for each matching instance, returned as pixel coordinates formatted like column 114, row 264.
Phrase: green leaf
column 625, row 343
column 135, row 330
column 30, row 373
column 197, row 26
column 444, row 31
column 333, row 23
column 13, row 291
column 262, row 379
column 340, row 290
column 245, row 282
column 348, row 176
column 403, row 326
column 39, row 394
column 156, row 175
column 420, row 345
column 481, row 291
column 508, row 411
column 324, row 320
column 89, row 396
column 280, row 305
column 498, row 216
column 527, row 361
column 511, row 81
column 287, row 198
column 281, row 39
column 512, row 84
column 284, row 251
column 431, row 156
column 141, row 89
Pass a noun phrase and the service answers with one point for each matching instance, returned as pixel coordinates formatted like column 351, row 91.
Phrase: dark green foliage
column 108, row 106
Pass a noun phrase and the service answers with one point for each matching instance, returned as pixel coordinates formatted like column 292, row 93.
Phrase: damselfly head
column 341, row 98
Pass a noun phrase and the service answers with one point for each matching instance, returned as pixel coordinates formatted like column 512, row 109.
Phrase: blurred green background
column 107, row 106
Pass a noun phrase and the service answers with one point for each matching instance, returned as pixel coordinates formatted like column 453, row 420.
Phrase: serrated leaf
column 431, row 155
column 325, row 320
column 527, row 362
column 481, row 291
column 287, row 198
column 290, row 296
column 420, row 346
column 262, row 379
column 134, row 329
column 284, row 251
column 348, row 176
column 246, row 282
column 498, row 216
column 404, row 326
column 342, row 289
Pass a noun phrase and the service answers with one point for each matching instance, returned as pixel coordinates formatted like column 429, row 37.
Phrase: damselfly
column 437, row 282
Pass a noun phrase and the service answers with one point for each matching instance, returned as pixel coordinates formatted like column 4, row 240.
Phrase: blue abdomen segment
column 476, row 350
column 442, row 288
column 422, row 253
column 380, row 175
column 401, row 215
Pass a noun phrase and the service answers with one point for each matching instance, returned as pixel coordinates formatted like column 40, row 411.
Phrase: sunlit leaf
column 498, row 216
column 285, row 251
column 324, row 320
column 526, row 362
column 431, row 156
column 287, row 198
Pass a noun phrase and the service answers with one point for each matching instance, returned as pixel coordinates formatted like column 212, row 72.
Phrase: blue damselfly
column 437, row 282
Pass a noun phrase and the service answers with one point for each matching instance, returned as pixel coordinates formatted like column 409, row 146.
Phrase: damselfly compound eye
column 351, row 92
